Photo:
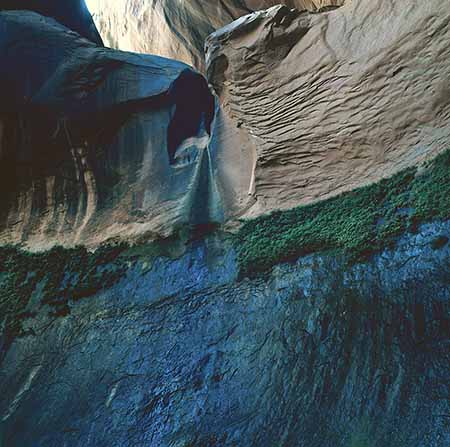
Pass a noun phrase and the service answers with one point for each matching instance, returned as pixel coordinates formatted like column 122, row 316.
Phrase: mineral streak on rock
column 331, row 101
column 176, row 28
column 97, row 143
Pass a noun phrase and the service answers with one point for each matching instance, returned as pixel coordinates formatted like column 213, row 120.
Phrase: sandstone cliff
column 130, row 316
column 309, row 105
column 177, row 29
column 326, row 102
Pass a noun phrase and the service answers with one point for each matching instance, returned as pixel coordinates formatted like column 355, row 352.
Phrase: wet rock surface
column 178, row 353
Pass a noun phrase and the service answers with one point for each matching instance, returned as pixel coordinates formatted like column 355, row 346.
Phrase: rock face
column 310, row 105
column 165, row 344
column 177, row 353
column 322, row 103
column 96, row 142
column 71, row 13
column 175, row 28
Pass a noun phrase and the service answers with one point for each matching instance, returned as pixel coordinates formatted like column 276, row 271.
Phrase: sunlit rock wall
column 177, row 28
column 71, row 13
column 317, row 104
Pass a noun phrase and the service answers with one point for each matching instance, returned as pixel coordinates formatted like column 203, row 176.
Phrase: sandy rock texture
column 177, row 28
column 331, row 101
column 96, row 143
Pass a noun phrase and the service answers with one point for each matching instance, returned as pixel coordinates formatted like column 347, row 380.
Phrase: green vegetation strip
column 57, row 275
column 60, row 275
column 356, row 223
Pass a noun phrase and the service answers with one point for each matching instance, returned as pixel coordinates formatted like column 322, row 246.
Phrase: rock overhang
column 91, row 116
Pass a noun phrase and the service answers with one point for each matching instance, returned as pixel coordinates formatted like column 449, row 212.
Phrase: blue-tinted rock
column 178, row 353
column 96, row 142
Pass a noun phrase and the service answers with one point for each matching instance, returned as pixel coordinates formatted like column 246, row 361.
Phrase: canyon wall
column 97, row 143
column 332, row 101
column 308, row 105
column 71, row 13
column 130, row 316
column 179, row 353
column 174, row 28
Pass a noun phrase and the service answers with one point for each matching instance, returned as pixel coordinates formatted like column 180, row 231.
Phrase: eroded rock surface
column 323, row 103
column 126, row 347
column 176, row 28
column 97, row 143
column 311, row 105
column 178, row 353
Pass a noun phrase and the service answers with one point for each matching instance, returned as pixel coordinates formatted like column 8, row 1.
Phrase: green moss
column 57, row 275
column 356, row 223
column 62, row 274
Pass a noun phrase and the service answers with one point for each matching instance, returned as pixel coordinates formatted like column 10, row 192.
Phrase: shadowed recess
column 194, row 106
